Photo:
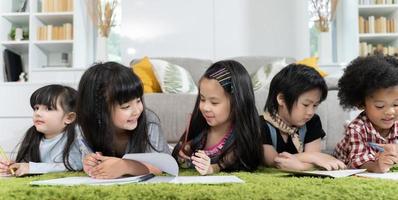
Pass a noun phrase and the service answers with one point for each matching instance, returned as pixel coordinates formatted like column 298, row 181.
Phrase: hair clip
column 223, row 76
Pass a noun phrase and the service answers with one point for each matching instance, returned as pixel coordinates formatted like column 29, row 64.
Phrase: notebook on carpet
column 164, row 162
column 323, row 173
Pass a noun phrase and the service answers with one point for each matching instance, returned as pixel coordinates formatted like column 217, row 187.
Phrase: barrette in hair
column 223, row 76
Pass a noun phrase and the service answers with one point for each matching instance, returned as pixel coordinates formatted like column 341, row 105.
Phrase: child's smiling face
column 214, row 103
column 381, row 108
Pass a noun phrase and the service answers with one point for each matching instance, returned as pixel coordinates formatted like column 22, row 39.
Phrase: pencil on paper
column 6, row 158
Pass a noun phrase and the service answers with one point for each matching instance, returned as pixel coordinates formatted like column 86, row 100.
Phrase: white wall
column 214, row 29
column 347, row 31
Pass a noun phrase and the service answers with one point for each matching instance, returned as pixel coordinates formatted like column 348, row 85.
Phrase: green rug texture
column 265, row 183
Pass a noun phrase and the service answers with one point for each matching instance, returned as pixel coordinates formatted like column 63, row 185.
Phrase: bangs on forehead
column 125, row 89
column 45, row 96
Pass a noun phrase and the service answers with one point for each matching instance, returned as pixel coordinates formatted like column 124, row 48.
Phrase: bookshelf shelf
column 55, row 18
column 17, row 46
column 17, row 18
column 54, row 69
column 52, row 46
column 59, row 36
column 384, row 38
column 378, row 30
column 368, row 10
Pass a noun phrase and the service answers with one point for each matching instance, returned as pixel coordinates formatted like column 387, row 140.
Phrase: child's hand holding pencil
column 5, row 164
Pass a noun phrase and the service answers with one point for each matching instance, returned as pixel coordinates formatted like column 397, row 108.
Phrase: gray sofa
column 174, row 109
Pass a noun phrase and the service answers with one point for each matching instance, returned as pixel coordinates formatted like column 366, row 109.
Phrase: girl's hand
column 286, row 160
column 90, row 161
column 20, row 168
column 202, row 163
column 109, row 167
column 5, row 167
column 182, row 155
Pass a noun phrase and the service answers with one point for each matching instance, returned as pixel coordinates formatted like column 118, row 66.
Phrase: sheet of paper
column 164, row 162
column 70, row 181
column 195, row 179
column 388, row 175
column 332, row 173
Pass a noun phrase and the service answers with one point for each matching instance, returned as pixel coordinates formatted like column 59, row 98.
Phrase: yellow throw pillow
column 313, row 62
column 143, row 69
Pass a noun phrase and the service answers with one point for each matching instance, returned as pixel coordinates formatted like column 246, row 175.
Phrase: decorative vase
column 102, row 49
column 325, row 47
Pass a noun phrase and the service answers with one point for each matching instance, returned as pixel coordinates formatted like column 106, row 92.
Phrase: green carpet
column 264, row 184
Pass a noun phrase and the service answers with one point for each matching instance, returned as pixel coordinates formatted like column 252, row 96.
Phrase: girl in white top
column 50, row 145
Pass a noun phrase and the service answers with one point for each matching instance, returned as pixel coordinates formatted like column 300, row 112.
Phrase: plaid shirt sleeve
column 353, row 148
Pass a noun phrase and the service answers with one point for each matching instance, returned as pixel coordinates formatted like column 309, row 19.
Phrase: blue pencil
column 376, row 146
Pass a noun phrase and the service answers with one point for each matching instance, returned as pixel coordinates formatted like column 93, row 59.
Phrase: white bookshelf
column 387, row 39
column 42, row 58
column 17, row 18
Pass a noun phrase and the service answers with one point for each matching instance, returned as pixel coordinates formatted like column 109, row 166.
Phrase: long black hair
column 49, row 95
column 246, row 148
column 103, row 86
column 292, row 81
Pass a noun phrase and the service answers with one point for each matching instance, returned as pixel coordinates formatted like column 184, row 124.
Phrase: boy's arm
column 269, row 154
column 287, row 161
column 314, row 157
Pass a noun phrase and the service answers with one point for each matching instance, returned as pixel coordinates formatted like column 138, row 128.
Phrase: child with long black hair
column 371, row 85
column 50, row 145
column 291, row 130
column 114, row 121
column 224, row 132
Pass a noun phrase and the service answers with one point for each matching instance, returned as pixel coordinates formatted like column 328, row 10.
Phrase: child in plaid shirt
column 370, row 84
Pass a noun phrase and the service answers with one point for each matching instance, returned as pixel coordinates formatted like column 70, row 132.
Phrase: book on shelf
column 376, row 25
column 377, row 2
column 56, row 6
column 50, row 32
column 366, row 49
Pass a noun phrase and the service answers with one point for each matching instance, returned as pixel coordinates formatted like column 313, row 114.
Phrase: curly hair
column 365, row 75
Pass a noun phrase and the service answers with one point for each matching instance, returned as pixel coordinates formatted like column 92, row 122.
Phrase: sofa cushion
column 195, row 66
column 264, row 74
column 173, row 78
column 313, row 62
column 143, row 69
column 252, row 63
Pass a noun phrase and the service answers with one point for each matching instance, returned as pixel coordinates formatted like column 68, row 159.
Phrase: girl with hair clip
column 371, row 85
column 51, row 144
column 114, row 121
column 224, row 132
column 291, row 130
